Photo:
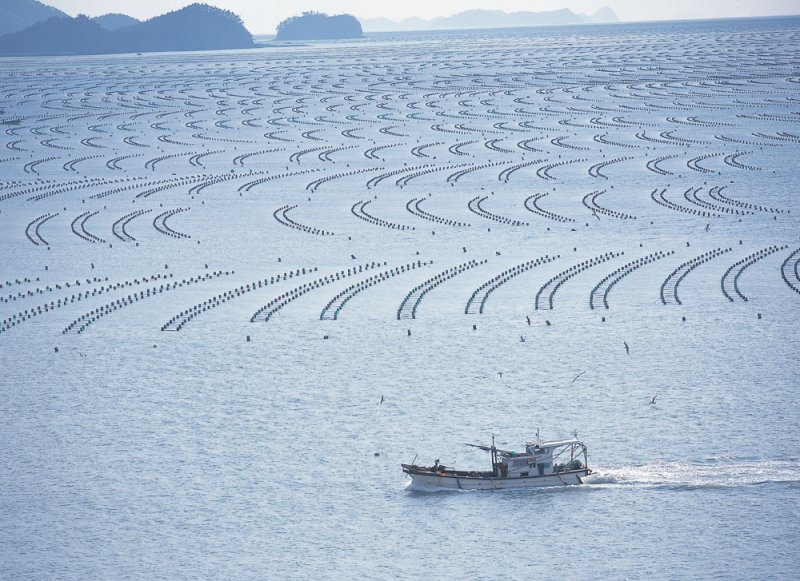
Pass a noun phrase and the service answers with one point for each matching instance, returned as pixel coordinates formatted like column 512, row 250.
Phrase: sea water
column 142, row 193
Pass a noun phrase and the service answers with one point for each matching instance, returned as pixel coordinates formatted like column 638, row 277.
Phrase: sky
column 261, row 16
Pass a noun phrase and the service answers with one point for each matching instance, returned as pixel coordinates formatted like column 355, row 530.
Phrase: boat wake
column 714, row 473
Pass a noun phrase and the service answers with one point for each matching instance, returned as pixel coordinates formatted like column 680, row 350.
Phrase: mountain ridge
column 472, row 19
column 115, row 21
column 16, row 15
column 194, row 27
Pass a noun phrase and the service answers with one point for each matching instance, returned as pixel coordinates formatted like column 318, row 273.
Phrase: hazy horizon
column 262, row 19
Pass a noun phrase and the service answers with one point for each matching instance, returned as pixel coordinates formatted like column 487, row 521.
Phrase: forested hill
column 318, row 26
column 195, row 27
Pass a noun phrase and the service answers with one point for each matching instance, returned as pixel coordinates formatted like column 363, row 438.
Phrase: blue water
column 238, row 449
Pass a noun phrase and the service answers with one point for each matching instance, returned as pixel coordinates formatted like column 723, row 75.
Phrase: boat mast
column 494, row 458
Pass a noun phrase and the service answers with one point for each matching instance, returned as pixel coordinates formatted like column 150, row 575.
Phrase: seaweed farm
column 238, row 288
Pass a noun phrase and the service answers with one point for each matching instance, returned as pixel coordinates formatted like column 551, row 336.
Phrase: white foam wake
column 713, row 473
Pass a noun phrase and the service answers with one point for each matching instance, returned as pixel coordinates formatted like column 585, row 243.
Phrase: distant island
column 318, row 26
column 471, row 19
column 195, row 27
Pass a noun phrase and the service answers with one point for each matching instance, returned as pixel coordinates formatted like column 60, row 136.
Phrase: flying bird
column 577, row 376
column 627, row 349
column 653, row 401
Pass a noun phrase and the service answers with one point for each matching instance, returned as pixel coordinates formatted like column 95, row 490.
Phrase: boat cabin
column 538, row 459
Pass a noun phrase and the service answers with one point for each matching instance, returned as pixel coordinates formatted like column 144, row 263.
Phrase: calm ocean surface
column 171, row 410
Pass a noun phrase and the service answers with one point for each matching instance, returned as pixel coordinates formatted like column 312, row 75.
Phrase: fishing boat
column 543, row 463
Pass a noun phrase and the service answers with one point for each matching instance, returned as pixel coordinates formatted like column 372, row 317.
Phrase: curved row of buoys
column 240, row 159
column 716, row 194
column 478, row 298
column 475, row 207
column 596, row 171
column 653, row 166
column 30, row 167
column 114, row 163
column 532, row 205
column 41, row 191
column 590, row 201
column 544, row 171
column 601, row 139
column 659, row 197
column 313, row 186
column 669, row 288
column 80, row 324
column 694, row 163
column 599, row 295
column 70, row 165
column 781, row 135
column 457, row 175
column 550, row 288
column 118, row 227
column 79, row 227
column 790, row 271
column 32, row 229
column 160, row 223
column 407, row 177
column 47, row 288
column 198, row 188
column 332, row 309
column 374, row 181
column 732, row 160
column 151, row 186
column 177, row 322
column 730, row 280
column 417, row 150
column 413, row 206
column 410, row 303
column 692, row 195
column 266, row 312
column 282, row 216
column 18, row 318
column 250, row 185
column 506, row 174
column 358, row 210
column 372, row 152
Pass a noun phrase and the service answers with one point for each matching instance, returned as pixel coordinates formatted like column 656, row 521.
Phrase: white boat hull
column 428, row 481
